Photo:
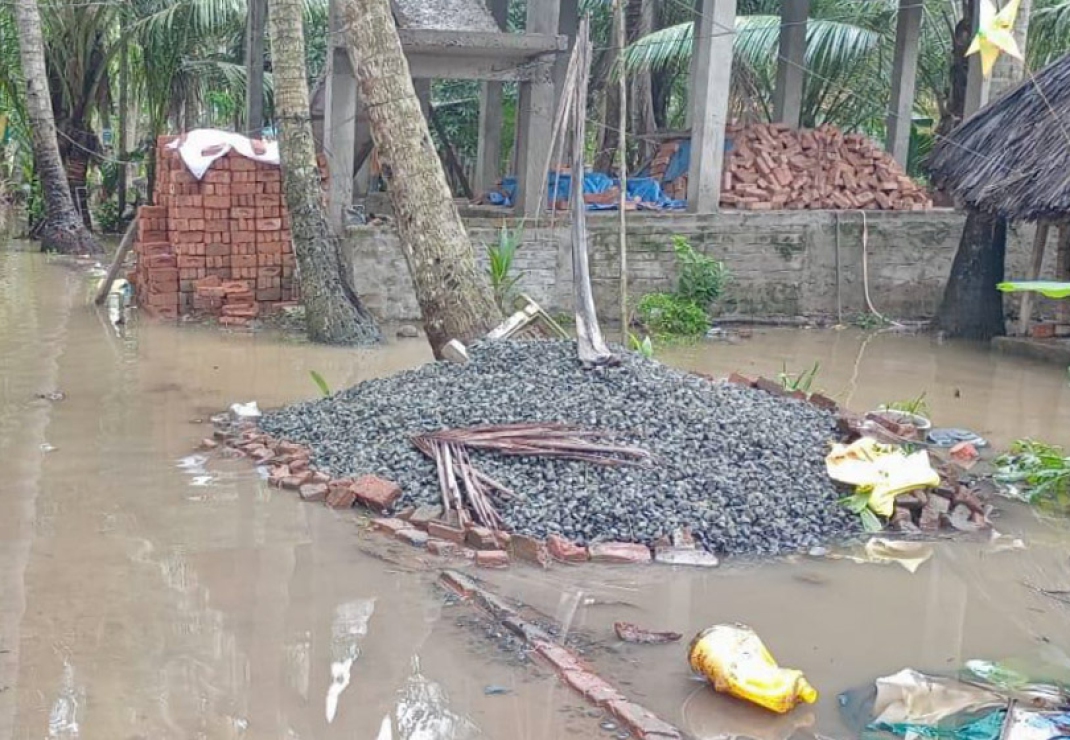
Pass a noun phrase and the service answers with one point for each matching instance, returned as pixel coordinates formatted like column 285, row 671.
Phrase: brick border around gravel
column 289, row 468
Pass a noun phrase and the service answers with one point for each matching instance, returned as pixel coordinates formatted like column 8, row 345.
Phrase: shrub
column 701, row 278
column 669, row 314
column 107, row 216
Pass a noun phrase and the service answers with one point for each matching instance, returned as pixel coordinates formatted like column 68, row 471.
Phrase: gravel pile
column 745, row 470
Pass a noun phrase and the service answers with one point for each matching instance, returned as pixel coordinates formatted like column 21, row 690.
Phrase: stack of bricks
column 774, row 167
column 220, row 246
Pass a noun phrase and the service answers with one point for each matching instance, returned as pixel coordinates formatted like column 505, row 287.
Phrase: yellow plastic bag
column 733, row 658
column 883, row 470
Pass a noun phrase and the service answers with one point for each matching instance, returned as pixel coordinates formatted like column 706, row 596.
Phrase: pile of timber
column 774, row 167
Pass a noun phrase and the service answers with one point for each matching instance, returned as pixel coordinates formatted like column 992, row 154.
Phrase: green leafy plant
column 868, row 321
column 917, row 406
column 107, row 216
column 320, row 383
column 802, row 381
column 667, row 314
column 500, row 258
column 859, row 504
column 1039, row 471
column 645, row 347
column 701, row 278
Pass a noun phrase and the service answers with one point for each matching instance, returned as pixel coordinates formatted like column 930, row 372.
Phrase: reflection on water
column 965, row 385
column 146, row 592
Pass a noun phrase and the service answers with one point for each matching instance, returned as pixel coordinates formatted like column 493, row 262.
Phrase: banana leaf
column 1047, row 288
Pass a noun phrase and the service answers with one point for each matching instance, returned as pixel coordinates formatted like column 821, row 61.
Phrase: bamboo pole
column 117, row 263
column 1040, row 241
column 591, row 346
column 622, row 151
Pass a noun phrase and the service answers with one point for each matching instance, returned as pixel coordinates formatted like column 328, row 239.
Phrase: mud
column 148, row 593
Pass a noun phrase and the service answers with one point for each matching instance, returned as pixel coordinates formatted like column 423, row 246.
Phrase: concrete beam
column 976, row 84
column 481, row 43
column 491, row 99
column 904, row 78
column 340, row 127
column 710, row 85
column 425, row 66
column 791, row 62
column 535, row 114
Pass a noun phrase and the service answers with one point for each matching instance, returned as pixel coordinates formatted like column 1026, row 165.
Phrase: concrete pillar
column 491, row 99
column 791, row 62
column 976, row 84
column 904, row 77
column 535, row 114
column 710, row 85
column 340, row 125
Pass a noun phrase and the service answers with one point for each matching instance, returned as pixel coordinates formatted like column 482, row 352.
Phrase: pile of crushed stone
column 743, row 469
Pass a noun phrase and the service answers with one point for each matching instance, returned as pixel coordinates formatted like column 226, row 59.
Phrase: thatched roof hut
column 1012, row 158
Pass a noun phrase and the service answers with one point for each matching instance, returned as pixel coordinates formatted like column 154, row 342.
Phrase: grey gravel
column 743, row 469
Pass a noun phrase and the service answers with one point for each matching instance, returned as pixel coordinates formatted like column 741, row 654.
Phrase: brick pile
column 220, row 246
column 774, row 167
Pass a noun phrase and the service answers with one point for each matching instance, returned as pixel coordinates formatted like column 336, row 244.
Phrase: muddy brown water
column 148, row 593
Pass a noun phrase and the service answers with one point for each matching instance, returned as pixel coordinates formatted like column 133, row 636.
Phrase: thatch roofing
column 1012, row 158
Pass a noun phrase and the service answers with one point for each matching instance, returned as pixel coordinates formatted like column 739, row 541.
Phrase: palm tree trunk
column 455, row 299
column 641, row 93
column 254, row 66
column 62, row 230
column 333, row 312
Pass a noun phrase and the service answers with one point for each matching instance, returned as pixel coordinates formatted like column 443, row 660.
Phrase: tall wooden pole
column 622, row 150
column 124, row 122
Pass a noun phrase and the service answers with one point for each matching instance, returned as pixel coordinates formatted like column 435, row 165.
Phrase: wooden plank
column 117, row 263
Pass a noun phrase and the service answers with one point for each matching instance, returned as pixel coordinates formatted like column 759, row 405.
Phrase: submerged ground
column 145, row 594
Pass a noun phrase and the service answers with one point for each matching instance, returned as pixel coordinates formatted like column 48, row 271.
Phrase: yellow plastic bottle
column 733, row 658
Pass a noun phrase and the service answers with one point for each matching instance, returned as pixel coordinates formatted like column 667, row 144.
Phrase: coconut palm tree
column 62, row 230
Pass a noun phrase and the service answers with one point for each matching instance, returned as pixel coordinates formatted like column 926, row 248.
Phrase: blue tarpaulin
column 646, row 190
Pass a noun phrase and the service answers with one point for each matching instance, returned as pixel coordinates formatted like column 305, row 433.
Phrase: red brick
column 243, row 311
column 737, row 379
column 565, row 551
column 619, row 552
column 492, row 559
column 314, row 492
column 269, row 224
column 641, row 722
column 530, row 549
column 446, row 532
column 389, row 525
column 296, row 479
column 592, row 686
column 481, row 538
column 341, row 498
column 157, row 261
column 561, row 658
column 376, row 493
column 442, row 548
column 412, row 536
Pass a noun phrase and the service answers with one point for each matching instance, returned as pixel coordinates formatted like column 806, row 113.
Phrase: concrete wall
column 782, row 264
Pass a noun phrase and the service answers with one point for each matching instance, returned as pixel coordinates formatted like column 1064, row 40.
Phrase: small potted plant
column 914, row 412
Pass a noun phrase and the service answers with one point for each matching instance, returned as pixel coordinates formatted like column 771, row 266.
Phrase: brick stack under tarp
column 220, row 246
column 774, row 167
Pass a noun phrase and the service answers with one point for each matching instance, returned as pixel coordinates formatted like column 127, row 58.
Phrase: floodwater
column 148, row 593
